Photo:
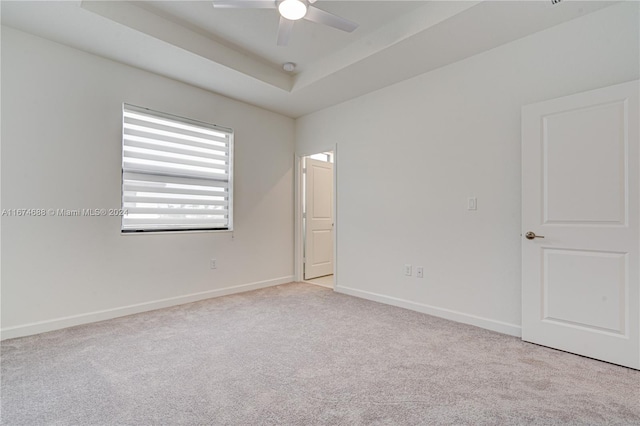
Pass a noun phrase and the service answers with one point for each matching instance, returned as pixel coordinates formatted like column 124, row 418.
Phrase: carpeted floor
column 300, row 354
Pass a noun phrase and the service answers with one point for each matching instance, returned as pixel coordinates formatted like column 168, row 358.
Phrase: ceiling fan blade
column 244, row 4
column 284, row 31
column 319, row 16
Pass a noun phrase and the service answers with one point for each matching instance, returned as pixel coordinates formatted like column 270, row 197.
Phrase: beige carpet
column 300, row 354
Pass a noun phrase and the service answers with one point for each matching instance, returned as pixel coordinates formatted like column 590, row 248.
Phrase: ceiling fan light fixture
column 292, row 9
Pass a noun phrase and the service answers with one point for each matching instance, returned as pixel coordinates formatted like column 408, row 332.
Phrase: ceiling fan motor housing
column 293, row 9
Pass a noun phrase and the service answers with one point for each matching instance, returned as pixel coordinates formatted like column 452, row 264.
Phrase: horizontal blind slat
column 128, row 127
column 174, row 221
column 173, row 160
column 168, row 171
column 162, row 200
column 166, row 211
column 129, row 187
column 147, row 114
column 174, row 149
column 163, row 138
column 130, row 176
column 164, row 128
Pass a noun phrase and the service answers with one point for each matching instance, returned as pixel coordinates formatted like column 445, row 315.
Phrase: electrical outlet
column 213, row 264
column 472, row 203
column 419, row 272
column 407, row 270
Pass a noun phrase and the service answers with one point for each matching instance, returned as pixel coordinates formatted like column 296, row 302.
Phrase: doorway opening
column 316, row 207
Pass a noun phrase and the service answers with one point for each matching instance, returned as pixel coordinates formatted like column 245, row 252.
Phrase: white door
column 580, row 190
column 318, row 247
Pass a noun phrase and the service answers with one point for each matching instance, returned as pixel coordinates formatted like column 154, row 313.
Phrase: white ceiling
column 253, row 31
column 233, row 51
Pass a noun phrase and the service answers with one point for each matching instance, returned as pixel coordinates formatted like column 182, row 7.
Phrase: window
column 177, row 174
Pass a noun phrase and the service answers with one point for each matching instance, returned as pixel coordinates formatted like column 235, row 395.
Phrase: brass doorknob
column 531, row 235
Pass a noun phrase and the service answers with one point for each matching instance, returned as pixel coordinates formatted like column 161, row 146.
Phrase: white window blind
column 176, row 173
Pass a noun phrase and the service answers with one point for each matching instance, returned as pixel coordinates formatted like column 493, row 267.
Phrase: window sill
column 191, row 231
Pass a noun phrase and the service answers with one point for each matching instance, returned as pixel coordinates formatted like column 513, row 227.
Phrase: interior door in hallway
column 580, row 235
column 318, row 247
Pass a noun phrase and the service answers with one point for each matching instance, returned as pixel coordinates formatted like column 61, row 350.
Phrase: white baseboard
column 70, row 321
column 489, row 324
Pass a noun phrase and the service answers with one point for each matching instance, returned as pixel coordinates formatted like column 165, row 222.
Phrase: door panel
column 575, row 144
column 569, row 272
column 580, row 190
column 318, row 219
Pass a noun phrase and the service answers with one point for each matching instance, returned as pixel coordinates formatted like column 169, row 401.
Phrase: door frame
column 534, row 314
column 298, row 249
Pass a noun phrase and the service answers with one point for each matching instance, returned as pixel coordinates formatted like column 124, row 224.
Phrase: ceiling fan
column 291, row 11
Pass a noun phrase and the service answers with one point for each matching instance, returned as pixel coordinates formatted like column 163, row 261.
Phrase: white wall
column 61, row 148
column 411, row 154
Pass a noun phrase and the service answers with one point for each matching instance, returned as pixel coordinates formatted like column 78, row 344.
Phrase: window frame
column 188, row 121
